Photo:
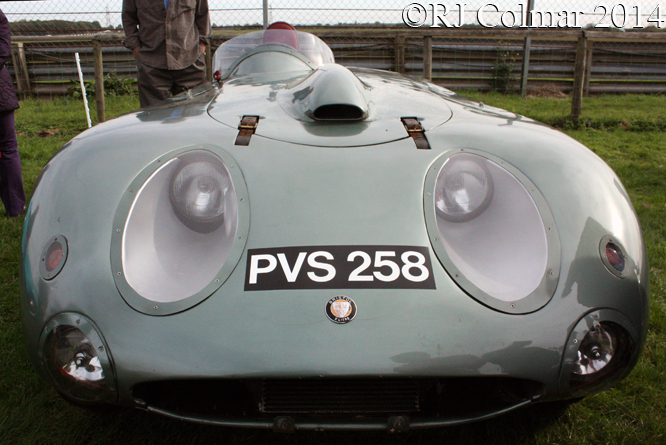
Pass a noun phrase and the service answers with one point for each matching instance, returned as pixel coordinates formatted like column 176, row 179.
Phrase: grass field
column 629, row 132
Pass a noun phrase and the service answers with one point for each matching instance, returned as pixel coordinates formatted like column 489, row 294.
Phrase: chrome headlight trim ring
column 545, row 289
column 149, row 306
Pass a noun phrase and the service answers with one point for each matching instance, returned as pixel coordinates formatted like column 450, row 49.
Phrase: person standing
column 168, row 39
column 11, row 178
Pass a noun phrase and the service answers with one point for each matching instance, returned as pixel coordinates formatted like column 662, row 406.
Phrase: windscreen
column 310, row 46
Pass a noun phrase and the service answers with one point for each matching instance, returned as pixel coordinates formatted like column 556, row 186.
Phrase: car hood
column 379, row 98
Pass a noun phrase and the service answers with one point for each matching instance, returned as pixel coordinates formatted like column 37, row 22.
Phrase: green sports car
column 301, row 245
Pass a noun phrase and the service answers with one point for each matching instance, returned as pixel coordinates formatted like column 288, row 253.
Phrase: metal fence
column 62, row 16
column 494, row 48
column 459, row 59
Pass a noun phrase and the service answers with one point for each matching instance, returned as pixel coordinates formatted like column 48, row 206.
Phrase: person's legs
column 154, row 84
column 188, row 78
column 11, row 178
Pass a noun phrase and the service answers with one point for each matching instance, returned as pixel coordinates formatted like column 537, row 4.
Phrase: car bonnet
column 365, row 106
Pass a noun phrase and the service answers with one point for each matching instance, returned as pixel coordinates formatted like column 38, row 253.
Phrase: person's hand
column 135, row 52
column 203, row 47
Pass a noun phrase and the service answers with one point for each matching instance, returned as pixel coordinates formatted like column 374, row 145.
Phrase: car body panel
column 308, row 188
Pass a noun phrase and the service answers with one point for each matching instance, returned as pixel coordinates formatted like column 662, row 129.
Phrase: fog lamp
column 602, row 355
column 76, row 362
column 596, row 351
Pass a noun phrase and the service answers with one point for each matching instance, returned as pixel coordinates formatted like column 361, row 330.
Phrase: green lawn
column 630, row 112
column 627, row 131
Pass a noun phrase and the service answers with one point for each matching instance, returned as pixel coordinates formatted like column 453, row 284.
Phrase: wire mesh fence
column 66, row 16
column 475, row 44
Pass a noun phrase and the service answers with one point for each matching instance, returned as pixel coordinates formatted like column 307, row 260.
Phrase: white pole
column 83, row 88
column 265, row 8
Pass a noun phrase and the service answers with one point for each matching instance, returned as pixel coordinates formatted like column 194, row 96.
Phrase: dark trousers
column 11, row 179
column 156, row 84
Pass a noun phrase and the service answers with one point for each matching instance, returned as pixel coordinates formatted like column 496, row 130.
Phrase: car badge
column 341, row 309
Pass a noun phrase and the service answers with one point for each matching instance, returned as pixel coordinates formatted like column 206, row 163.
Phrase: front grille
column 340, row 396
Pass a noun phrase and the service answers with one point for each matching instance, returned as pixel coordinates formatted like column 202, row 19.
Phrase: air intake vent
column 339, row 112
column 340, row 396
column 335, row 94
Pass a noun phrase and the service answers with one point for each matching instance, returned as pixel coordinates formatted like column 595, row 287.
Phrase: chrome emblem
column 340, row 309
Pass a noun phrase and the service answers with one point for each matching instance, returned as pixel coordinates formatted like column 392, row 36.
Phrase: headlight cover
column 180, row 230
column 492, row 230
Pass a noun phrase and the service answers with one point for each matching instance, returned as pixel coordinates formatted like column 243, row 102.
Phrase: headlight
column 198, row 191
column 596, row 351
column 464, row 188
column 599, row 353
column 180, row 230
column 77, row 360
column 492, row 231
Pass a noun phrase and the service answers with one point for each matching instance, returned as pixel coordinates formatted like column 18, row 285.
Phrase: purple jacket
column 8, row 99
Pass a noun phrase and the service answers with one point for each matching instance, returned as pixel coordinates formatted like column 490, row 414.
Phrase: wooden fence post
column 24, row 66
column 527, row 46
column 427, row 57
column 99, row 80
column 17, row 73
column 588, row 69
column 21, row 71
column 579, row 78
column 399, row 63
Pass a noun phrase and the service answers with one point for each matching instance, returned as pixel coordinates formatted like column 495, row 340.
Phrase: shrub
column 114, row 85
column 502, row 73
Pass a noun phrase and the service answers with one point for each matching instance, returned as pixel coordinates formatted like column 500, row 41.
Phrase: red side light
column 615, row 256
column 53, row 257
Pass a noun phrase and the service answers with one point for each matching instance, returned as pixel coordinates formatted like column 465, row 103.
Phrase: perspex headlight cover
column 180, row 230
column 492, row 230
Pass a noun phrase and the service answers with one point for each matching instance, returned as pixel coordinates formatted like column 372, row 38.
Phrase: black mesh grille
column 340, row 396
column 317, row 397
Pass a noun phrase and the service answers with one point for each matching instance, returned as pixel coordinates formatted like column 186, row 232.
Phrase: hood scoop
column 337, row 95
column 331, row 106
column 331, row 93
